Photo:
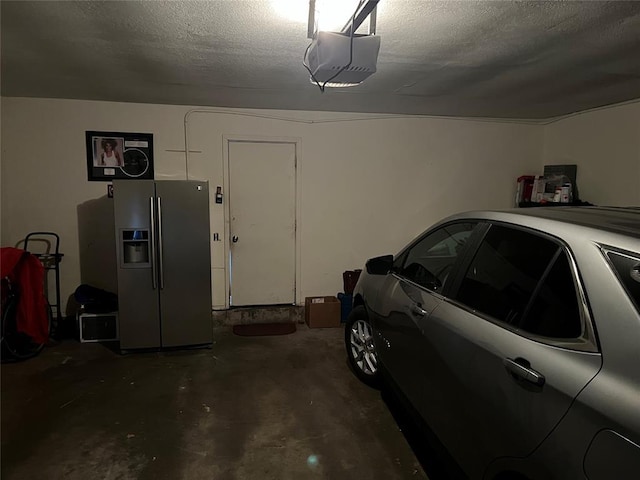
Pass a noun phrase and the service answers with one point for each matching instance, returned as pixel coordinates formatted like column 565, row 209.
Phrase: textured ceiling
column 525, row 60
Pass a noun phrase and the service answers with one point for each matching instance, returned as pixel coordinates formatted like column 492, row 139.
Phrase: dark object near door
column 260, row 329
column 350, row 278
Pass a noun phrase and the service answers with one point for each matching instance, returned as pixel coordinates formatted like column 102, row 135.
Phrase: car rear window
column 627, row 268
column 525, row 280
column 554, row 310
column 505, row 272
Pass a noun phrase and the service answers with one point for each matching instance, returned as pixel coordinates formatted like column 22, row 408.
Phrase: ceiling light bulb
column 334, row 14
column 331, row 15
column 293, row 10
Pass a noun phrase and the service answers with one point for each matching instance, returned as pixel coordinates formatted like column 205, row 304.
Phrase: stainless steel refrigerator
column 164, row 263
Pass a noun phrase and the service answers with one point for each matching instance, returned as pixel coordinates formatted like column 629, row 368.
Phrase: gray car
column 515, row 336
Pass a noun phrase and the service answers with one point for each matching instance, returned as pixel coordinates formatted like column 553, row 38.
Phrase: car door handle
column 521, row 369
column 417, row 309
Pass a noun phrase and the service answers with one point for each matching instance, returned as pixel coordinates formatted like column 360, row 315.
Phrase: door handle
column 521, row 369
column 417, row 309
column 234, row 239
column 154, row 273
column 160, row 244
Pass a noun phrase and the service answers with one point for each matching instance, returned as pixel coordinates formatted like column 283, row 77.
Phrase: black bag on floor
column 96, row 300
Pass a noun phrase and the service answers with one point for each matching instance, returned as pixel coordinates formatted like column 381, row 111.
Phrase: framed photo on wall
column 119, row 155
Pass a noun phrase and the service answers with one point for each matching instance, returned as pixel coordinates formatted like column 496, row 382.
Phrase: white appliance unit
column 330, row 52
column 164, row 263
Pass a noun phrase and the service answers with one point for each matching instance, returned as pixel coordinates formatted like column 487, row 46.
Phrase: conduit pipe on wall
column 369, row 117
column 267, row 117
column 220, row 111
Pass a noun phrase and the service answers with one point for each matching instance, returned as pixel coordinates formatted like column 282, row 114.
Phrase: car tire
column 361, row 351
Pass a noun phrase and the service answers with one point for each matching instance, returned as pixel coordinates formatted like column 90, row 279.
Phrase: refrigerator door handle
column 154, row 274
column 160, row 243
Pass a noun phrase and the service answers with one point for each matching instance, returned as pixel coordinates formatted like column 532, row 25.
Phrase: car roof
column 618, row 220
column 621, row 220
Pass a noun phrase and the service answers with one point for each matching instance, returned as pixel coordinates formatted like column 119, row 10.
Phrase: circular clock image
column 136, row 162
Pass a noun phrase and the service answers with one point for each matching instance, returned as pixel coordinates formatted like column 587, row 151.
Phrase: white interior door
column 262, row 223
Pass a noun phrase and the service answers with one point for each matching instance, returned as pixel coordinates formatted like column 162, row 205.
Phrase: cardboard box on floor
column 322, row 312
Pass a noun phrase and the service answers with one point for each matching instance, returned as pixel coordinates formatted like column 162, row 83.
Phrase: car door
column 507, row 355
column 421, row 273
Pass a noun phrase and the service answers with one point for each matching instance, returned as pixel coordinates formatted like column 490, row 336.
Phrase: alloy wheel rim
column 362, row 348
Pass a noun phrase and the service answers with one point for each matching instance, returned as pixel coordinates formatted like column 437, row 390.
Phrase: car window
column 429, row 262
column 554, row 310
column 505, row 272
column 627, row 267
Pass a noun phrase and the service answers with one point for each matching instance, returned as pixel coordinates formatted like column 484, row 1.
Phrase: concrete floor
column 280, row 407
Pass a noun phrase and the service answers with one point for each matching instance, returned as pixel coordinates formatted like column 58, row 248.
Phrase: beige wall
column 366, row 185
column 605, row 145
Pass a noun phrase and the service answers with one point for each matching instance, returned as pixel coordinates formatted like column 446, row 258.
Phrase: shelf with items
column 554, row 204
column 556, row 187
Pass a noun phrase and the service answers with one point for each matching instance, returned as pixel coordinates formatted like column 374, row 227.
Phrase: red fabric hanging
column 27, row 273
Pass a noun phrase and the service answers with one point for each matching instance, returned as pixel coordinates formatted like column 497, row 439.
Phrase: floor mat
column 264, row 329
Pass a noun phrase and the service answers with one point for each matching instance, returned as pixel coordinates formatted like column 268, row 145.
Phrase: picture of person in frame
column 107, row 152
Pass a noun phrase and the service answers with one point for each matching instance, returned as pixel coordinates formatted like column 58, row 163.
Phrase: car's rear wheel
column 361, row 350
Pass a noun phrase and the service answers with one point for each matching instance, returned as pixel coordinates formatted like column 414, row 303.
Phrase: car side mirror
column 379, row 265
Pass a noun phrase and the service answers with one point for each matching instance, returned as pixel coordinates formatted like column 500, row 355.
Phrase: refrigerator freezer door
column 138, row 307
column 184, row 262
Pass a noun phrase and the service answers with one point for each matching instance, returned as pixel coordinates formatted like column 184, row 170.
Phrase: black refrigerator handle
column 160, row 243
column 154, row 274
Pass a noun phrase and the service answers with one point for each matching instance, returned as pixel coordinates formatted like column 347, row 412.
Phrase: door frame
column 226, row 182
